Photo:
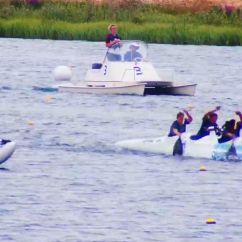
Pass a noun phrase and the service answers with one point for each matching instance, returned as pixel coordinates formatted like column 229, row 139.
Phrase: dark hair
column 213, row 115
column 179, row 114
column 229, row 125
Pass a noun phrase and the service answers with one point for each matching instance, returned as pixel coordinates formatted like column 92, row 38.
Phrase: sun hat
column 134, row 44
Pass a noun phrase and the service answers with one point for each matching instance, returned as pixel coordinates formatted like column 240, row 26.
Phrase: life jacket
column 229, row 126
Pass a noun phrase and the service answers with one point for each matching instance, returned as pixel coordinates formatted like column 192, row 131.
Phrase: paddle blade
column 178, row 147
column 232, row 154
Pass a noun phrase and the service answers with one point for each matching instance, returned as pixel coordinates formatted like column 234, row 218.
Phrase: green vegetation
column 88, row 21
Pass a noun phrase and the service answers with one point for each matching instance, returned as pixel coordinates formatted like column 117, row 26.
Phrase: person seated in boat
column 179, row 125
column 231, row 129
column 209, row 123
column 133, row 54
column 112, row 38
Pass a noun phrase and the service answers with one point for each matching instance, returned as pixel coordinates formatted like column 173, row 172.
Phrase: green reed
column 87, row 21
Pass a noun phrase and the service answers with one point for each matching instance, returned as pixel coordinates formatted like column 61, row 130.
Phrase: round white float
column 62, row 73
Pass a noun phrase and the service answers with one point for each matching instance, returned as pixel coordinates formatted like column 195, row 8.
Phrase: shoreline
column 96, row 31
column 151, row 24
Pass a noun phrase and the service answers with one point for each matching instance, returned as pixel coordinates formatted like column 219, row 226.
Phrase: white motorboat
column 207, row 147
column 124, row 70
column 6, row 150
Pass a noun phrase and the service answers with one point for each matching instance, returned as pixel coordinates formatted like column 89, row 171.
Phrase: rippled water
column 68, row 182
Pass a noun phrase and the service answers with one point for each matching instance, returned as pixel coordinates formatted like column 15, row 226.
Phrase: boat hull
column 124, row 89
column 179, row 90
column 207, row 147
column 6, row 151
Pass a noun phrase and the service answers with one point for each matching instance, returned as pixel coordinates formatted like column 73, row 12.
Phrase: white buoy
column 62, row 73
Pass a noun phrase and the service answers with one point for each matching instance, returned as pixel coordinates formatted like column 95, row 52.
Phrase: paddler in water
column 231, row 129
column 179, row 125
column 209, row 123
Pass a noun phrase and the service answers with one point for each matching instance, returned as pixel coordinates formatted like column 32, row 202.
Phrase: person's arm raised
column 189, row 117
column 213, row 111
column 239, row 114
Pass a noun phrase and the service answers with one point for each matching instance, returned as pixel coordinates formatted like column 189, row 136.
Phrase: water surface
column 68, row 182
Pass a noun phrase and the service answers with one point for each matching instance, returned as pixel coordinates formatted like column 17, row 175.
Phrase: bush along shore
column 88, row 21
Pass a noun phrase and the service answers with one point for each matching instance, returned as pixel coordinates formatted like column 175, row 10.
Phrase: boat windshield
column 134, row 50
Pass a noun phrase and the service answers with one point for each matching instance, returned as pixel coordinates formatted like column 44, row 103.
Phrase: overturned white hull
column 6, row 151
column 119, row 88
column 207, row 147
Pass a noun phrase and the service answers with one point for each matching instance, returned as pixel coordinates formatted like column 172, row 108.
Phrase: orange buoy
column 48, row 99
column 30, row 122
column 210, row 221
column 202, row 168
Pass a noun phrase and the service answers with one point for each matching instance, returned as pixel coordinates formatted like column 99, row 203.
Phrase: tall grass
column 178, row 33
column 152, row 23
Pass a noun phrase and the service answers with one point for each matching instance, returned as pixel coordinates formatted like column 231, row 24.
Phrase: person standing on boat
column 179, row 125
column 231, row 129
column 112, row 37
column 209, row 123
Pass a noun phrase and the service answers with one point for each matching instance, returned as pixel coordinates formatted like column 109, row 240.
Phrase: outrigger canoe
column 207, row 147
